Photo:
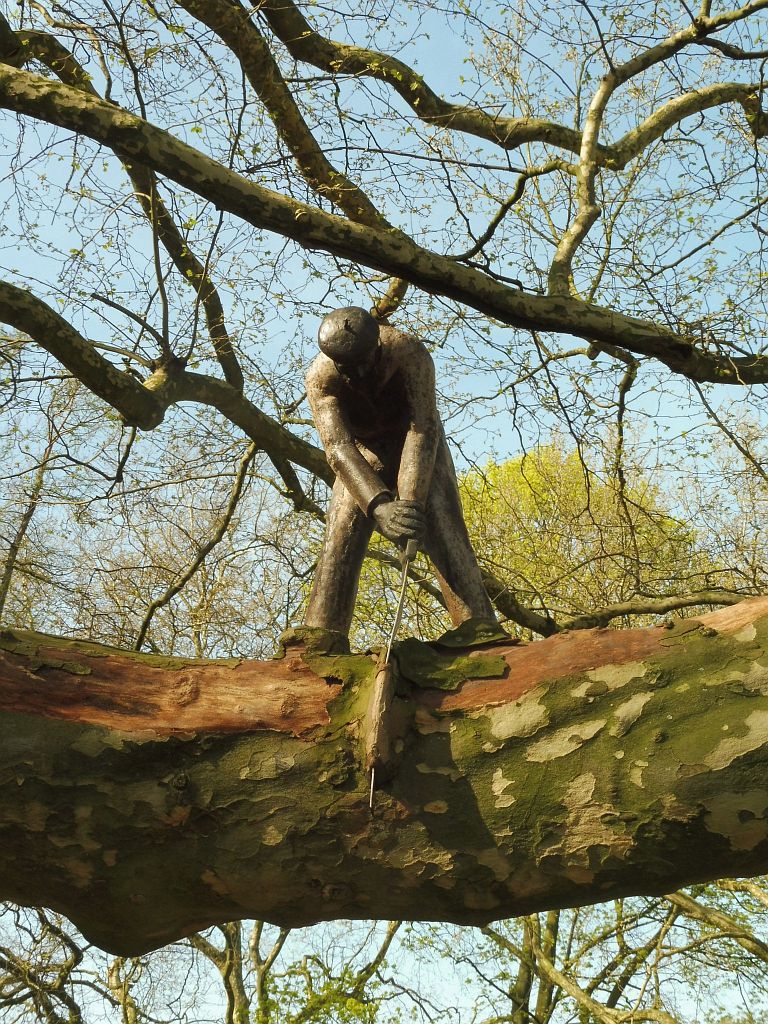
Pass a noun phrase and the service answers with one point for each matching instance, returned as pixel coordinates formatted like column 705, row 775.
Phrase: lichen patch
column 731, row 747
column 616, row 676
column 436, row 807
column 496, row 861
column 498, row 786
column 746, row 634
column 636, row 773
column 480, row 900
column 81, row 873
column 36, row 815
column 627, row 713
column 564, row 741
column 740, row 817
column 520, row 719
column 272, row 767
column 587, row 837
column 450, row 771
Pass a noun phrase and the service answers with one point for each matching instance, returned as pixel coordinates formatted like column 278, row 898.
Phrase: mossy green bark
column 631, row 776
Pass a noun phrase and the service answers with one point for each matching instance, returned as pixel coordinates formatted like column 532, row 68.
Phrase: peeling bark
column 147, row 797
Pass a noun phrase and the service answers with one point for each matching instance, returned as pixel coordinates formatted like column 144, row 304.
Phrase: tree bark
column 147, row 797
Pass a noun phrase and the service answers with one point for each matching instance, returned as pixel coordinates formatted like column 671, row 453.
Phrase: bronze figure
column 372, row 394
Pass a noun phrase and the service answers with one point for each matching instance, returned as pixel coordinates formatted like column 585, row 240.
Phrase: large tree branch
column 144, row 404
column 389, row 250
column 24, row 311
column 19, row 48
column 232, row 23
column 305, row 44
column 147, row 797
column 644, row 605
column 726, row 925
column 588, row 210
column 634, row 142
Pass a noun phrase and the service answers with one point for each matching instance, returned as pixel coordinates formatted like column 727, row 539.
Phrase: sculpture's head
column 350, row 337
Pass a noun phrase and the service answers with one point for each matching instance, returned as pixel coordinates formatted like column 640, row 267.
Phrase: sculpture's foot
column 314, row 640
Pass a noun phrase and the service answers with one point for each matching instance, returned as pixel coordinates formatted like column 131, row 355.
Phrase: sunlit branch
column 389, row 250
column 292, row 28
column 734, row 52
column 49, row 51
column 27, row 313
column 651, row 606
column 144, row 404
column 727, row 925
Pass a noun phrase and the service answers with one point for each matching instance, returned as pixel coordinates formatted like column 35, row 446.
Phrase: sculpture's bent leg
column 334, row 589
column 449, row 547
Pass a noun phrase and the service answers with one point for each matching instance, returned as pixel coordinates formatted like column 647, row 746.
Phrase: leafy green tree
column 571, row 540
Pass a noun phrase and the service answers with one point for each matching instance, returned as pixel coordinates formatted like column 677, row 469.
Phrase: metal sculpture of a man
column 372, row 394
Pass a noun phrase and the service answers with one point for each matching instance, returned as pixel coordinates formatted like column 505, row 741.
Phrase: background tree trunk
column 147, row 797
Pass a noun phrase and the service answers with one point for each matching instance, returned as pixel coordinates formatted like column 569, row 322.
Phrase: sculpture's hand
column 400, row 521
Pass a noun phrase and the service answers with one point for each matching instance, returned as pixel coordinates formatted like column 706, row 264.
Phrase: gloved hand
column 400, row 521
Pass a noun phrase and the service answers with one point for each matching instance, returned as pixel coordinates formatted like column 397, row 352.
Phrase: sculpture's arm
column 344, row 458
column 420, row 447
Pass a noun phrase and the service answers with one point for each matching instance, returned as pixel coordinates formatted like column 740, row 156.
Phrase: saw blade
column 408, row 556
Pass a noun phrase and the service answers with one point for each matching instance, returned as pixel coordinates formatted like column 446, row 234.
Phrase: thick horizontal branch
column 21, row 309
column 651, row 606
column 175, row 384
column 389, row 250
column 304, row 44
column 636, row 141
column 145, row 404
column 148, row 797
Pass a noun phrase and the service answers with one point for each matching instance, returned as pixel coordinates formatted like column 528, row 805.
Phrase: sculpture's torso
column 377, row 406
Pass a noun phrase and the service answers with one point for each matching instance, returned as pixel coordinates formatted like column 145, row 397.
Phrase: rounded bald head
column 349, row 336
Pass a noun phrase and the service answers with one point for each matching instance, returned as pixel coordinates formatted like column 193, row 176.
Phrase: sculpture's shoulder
column 403, row 349
column 321, row 375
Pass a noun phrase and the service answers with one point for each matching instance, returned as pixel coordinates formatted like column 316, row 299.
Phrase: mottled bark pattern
column 146, row 797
